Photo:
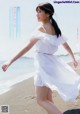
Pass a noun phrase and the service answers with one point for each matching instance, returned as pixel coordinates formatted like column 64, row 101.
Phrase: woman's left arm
column 67, row 47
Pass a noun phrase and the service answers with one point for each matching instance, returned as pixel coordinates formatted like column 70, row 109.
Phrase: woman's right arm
column 22, row 52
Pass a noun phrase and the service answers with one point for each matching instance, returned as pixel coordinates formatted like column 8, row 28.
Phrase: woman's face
column 41, row 15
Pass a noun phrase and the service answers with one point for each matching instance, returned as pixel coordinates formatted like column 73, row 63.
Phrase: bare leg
column 42, row 100
column 49, row 97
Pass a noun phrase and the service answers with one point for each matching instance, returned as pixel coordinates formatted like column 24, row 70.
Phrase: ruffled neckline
column 47, row 34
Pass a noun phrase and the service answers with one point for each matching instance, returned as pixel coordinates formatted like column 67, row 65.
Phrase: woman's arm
column 25, row 49
column 22, row 52
column 67, row 47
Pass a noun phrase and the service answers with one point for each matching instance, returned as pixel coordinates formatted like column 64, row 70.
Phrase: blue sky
column 66, row 14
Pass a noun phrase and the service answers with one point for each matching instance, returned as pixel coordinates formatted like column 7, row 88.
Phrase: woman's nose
column 37, row 15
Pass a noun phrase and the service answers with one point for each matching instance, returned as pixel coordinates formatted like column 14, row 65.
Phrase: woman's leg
column 49, row 97
column 42, row 100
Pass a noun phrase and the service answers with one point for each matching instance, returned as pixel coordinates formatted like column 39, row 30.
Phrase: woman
column 52, row 73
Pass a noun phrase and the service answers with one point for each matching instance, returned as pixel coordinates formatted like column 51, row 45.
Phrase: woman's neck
column 46, row 22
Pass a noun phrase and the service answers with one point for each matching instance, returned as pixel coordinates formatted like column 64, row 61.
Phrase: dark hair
column 48, row 8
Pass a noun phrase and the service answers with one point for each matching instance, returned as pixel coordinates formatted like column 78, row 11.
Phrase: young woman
column 51, row 72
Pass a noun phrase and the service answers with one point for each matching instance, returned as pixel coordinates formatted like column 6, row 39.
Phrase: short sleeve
column 61, row 40
column 35, row 34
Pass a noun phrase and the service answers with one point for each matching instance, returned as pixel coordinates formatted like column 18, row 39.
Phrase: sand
column 21, row 99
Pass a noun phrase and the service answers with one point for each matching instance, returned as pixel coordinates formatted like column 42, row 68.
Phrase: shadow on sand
column 72, row 111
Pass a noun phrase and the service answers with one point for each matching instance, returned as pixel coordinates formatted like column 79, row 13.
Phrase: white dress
column 52, row 71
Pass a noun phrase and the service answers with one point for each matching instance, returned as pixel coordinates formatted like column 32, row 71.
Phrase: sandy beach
column 22, row 99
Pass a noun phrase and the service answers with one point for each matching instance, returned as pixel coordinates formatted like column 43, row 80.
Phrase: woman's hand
column 5, row 66
column 75, row 63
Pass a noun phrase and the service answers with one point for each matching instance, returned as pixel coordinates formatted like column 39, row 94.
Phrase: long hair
column 48, row 8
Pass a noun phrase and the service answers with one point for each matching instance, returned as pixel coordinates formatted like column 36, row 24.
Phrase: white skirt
column 57, row 75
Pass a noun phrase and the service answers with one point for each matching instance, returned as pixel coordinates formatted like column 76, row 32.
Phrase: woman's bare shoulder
column 40, row 28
